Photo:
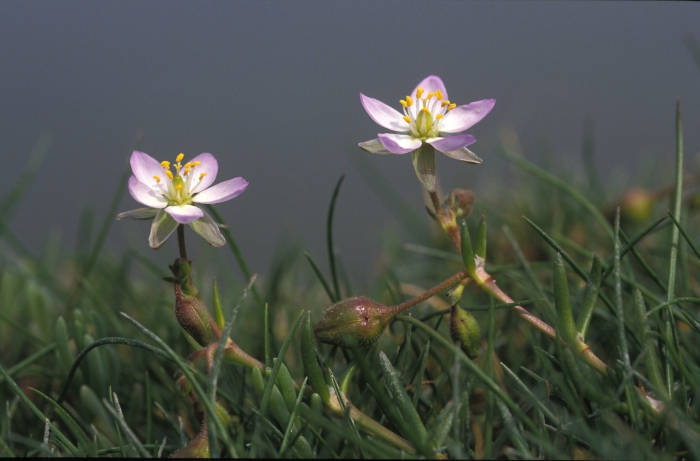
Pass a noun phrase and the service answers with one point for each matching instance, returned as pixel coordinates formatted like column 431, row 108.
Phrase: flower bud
column 198, row 446
column 637, row 204
column 192, row 315
column 465, row 331
column 461, row 202
column 359, row 320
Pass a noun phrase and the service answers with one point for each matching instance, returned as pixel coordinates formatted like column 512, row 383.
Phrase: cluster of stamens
column 424, row 117
column 177, row 190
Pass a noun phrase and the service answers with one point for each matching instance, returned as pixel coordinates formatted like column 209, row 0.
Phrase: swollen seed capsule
column 356, row 319
column 465, row 331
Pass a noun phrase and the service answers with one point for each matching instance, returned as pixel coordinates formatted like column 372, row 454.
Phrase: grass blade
column 329, row 237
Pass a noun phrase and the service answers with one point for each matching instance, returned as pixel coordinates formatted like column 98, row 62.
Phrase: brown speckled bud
column 192, row 315
column 465, row 331
column 356, row 319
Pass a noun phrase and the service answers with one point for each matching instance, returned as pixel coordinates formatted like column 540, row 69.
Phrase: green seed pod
column 192, row 315
column 358, row 320
column 465, row 331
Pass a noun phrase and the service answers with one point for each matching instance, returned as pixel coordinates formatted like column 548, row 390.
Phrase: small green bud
column 637, row 205
column 192, row 315
column 465, row 331
column 356, row 319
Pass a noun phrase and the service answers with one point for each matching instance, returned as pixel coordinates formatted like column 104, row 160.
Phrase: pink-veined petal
column 145, row 168
column 221, row 192
column 464, row 117
column 184, row 214
column 399, row 143
column 429, row 85
column 145, row 195
column 451, row 143
column 209, row 166
column 386, row 116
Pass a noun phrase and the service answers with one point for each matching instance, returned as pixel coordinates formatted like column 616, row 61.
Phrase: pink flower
column 170, row 197
column 429, row 122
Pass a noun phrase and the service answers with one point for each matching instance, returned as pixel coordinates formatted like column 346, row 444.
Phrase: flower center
column 424, row 114
column 177, row 188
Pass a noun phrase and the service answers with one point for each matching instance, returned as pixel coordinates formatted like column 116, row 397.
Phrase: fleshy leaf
column 139, row 213
column 424, row 164
column 163, row 225
column 209, row 230
column 374, row 146
column 464, row 155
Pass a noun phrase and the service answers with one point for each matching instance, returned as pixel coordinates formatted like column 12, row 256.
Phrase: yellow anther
column 430, row 95
column 439, row 116
column 201, row 176
column 169, row 173
column 409, row 101
column 165, row 164
column 403, row 103
column 196, row 163
column 444, row 103
column 179, row 158
column 187, row 171
column 451, row 106
column 419, row 92
column 438, row 94
column 156, row 178
column 425, row 110
column 407, row 118
column 188, row 165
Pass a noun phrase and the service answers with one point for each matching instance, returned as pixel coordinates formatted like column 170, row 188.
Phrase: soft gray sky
column 271, row 89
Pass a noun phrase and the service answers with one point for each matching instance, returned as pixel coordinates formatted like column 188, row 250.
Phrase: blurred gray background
column 271, row 89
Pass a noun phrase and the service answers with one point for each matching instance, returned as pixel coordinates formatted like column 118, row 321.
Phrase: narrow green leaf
column 329, row 238
column 292, row 419
column 321, row 279
column 83, row 441
column 127, row 430
column 218, row 310
column 466, row 247
column 565, row 318
column 651, row 359
column 480, row 248
column 589, row 296
column 308, row 356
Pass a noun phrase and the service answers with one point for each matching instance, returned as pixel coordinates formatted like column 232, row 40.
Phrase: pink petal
column 386, row 116
column 464, row 117
column 399, row 143
column 222, row 191
column 209, row 166
column 452, row 143
column 184, row 214
column 145, row 168
column 429, row 85
column 145, row 195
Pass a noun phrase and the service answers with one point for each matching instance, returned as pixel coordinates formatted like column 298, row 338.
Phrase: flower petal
column 145, row 168
column 464, row 117
column 209, row 166
column 386, row 116
column 163, row 226
column 139, row 213
column 464, row 155
column 429, row 85
column 209, row 230
column 221, row 192
column 184, row 214
column 374, row 146
column 145, row 195
column 399, row 143
column 451, row 143
column 424, row 164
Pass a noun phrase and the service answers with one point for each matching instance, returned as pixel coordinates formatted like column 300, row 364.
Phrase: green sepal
column 424, row 164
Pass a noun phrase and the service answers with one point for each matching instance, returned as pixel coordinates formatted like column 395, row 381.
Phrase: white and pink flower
column 429, row 122
column 170, row 196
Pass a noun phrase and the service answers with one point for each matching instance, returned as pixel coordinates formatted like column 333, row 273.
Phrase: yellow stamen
column 409, row 101
column 188, row 165
column 196, row 163
column 419, row 92
column 179, row 158
column 438, row 94
column 187, row 171
column 156, row 178
column 201, row 176
column 407, row 118
column 438, row 116
column 169, row 173
column 451, row 106
column 430, row 95
column 165, row 164
column 444, row 103
column 403, row 103
column 425, row 110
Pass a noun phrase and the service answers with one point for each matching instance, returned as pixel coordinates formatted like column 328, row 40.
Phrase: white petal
column 399, row 143
column 184, row 214
column 209, row 230
column 163, row 226
column 464, row 117
column 139, row 213
column 386, row 116
column 222, row 191
column 145, row 195
column 429, row 85
column 451, row 143
column 209, row 166
column 145, row 168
